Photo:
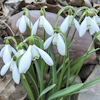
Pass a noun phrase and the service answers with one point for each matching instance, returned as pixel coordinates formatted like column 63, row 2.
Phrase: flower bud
column 7, row 42
column 41, row 12
column 14, row 58
column 20, row 47
column 69, row 12
column 87, row 13
column 24, row 13
column 31, row 41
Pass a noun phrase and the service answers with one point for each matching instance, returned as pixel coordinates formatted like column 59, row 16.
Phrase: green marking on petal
column 98, row 23
column 88, row 25
column 36, row 57
column 41, row 25
column 55, row 43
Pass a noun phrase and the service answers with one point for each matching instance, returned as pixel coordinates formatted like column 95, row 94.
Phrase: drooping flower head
column 20, row 51
column 6, row 51
column 13, row 67
column 42, row 22
column 96, row 18
column 56, row 39
column 22, row 23
column 67, row 22
column 88, row 24
column 33, row 52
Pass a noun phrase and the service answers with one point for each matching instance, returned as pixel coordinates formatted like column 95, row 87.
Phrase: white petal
column 17, row 24
column 48, row 42
column 12, row 65
column 6, row 54
column 47, row 26
column 96, row 27
column 83, row 27
column 35, row 26
column 55, row 38
column 65, row 24
column 28, row 21
column 45, row 57
column 35, row 53
column 25, row 61
column 20, row 52
column 13, row 50
column 76, row 24
column 61, row 45
column 5, row 68
column 22, row 25
column 16, row 74
column 2, row 51
column 92, row 29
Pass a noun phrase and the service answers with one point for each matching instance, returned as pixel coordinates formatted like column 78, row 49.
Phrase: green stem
column 68, row 32
column 83, row 61
column 61, row 75
column 59, row 13
column 73, row 35
column 68, row 75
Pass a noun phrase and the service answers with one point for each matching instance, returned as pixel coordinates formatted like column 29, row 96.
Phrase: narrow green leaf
column 75, row 64
column 27, row 87
column 65, row 91
column 91, row 83
column 47, row 89
column 38, row 70
column 78, row 91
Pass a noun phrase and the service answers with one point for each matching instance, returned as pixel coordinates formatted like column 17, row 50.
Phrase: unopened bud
column 31, row 41
column 69, row 12
column 7, row 42
column 14, row 58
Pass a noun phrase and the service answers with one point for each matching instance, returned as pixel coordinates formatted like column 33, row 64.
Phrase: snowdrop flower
column 88, row 24
column 96, row 19
column 20, row 51
column 6, row 51
column 13, row 67
column 33, row 53
column 67, row 22
column 58, row 40
column 22, row 23
column 42, row 22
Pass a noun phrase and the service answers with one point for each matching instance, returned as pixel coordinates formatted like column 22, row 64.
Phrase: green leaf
column 27, row 87
column 91, row 83
column 65, row 91
column 78, row 91
column 38, row 70
column 47, row 89
column 75, row 64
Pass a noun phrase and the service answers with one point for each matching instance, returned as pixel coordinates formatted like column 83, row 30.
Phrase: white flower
column 90, row 24
column 13, row 67
column 96, row 19
column 42, row 22
column 58, row 40
column 33, row 53
column 67, row 22
column 98, row 37
column 6, row 51
column 20, row 52
column 22, row 23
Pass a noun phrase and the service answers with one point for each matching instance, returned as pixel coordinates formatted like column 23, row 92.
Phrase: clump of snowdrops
column 30, row 62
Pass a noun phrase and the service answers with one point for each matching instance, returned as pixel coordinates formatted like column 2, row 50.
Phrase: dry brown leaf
column 7, row 10
column 6, row 87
